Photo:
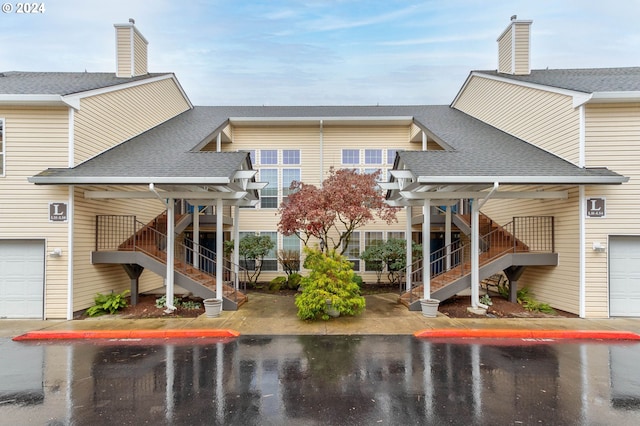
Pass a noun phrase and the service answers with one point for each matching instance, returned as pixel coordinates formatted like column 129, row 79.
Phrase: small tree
column 252, row 248
column 373, row 257
column 346, row 201
column 393, row 255
column 290, row 261
column 331, row 281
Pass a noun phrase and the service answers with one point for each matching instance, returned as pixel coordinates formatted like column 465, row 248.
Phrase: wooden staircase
column 151, row 240
column 496, row 243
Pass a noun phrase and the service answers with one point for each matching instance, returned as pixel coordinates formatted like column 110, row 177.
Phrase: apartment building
column 114, row 181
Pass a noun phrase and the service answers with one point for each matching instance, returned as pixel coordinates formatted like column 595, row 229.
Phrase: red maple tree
column 346, row 201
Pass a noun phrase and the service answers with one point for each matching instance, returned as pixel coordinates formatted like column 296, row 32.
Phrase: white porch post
column 447, row 237
column 475, row 252
column 426, row 248
column 196, row 236
column 170, row 253
column 409, row 251
column 219, row 248
column 236, row 243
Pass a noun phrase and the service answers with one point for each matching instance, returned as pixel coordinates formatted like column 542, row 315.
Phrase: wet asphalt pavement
column 313, row 380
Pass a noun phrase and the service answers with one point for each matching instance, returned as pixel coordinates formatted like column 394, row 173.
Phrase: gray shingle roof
column 60, row 83
column 588, row 80
column 476, row 149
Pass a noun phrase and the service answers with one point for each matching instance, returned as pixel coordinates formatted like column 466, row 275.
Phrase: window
column 1, row 146
column 291, row 244
column 395, row 235
column 269, row 194
column 270, row 261
column 269, row 156
column 391, row 155
column 252, row 155
column 350, row 156
column 371, row 239
column 371, row 171
column 353, row 251
column 372, row 156
column 288, row 176
column 290, row 156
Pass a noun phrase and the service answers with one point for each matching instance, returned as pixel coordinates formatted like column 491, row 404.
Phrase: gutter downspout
column 475, row 248
column 321, row 150
column 70, row 218
column 170, row 248
column 582, row 204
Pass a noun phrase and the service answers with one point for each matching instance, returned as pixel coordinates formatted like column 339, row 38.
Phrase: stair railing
column 128, row 234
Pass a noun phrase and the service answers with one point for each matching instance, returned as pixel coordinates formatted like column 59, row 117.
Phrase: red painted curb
column 527, row 334
column 125, row 334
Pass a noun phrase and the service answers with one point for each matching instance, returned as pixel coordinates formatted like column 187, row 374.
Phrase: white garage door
column 624, row 276
column 21, row 278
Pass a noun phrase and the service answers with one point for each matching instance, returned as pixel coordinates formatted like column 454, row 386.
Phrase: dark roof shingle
column 587, row 80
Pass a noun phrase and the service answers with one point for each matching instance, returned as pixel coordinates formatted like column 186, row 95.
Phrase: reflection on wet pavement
column 320, row 380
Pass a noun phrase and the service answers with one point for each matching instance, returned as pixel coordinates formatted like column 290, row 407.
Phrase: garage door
column 21, row 278
column 624, row 276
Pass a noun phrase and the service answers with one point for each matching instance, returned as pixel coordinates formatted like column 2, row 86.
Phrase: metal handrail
column 521, row 235
column 125, row 233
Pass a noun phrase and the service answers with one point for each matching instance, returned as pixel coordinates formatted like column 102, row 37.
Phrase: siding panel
column 547, row 120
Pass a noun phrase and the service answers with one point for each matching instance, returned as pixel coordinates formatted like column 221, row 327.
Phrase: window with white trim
column 372, row 156
column 269, row 194
column 371, row 239
column 268, row 156
column 350, row 156
column 2, row 145
column 290, row 156
column 270, row 261
column 278, row 177
column 391, row 155
column 288, row 176
column 395, row 235
column 353, row 251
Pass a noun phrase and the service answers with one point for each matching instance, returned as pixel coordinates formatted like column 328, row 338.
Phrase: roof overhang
column 326, row 121
column 120, row 180
column 608, row 97
column 37, row 100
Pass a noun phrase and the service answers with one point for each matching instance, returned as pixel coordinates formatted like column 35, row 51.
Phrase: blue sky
column 314, row 52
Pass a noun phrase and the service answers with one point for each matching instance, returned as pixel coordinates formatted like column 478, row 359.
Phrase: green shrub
column 161, row 302
column 330, row 281
column 108, row 303
column 277, row 283
column 530, row 304
column 293, row 281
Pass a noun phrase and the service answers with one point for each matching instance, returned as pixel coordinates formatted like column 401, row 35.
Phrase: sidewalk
column 267, row 314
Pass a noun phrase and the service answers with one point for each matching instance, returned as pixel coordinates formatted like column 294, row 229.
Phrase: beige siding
column 109, row 119
column 505, row 53
column 613, row 139
column 521, row 61
column 140, row 55
column 123, row 51
column 547, row 120
column 560, row 285
column 24, row 207
column 92, row 279
column 309, row 139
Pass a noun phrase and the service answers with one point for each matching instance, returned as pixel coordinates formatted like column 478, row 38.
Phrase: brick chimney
column 514, row 56
column 131, row 50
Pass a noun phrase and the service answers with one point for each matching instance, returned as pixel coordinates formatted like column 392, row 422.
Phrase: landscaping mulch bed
column 456, row 307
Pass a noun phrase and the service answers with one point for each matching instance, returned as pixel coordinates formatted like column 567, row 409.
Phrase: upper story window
column 278, row 176
column 391, row 155
column 268, row 156
column 290, row 156
column 372, row 156
column 1, row 146
column 350, row 156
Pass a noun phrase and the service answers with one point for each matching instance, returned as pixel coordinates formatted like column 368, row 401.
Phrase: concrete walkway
column 267, row 314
